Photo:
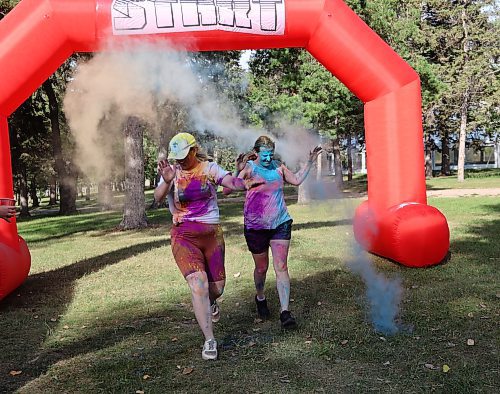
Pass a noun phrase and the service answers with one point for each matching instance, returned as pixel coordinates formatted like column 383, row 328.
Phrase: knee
column 261, row 269
column 198, row 283
column 281, row 267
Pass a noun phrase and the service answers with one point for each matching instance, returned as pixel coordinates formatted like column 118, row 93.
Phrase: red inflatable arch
column 396, row 222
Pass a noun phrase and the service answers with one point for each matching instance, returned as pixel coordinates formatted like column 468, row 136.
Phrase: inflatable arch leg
column 14, row 255
column 396, row 222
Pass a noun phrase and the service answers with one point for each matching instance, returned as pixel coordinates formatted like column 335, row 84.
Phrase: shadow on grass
column 331, row 223
column 236, row 229
column 41, row 229
column 334, row 348
column 51, row 291
column 435, row 188
column 329, row 306
column 485, row 233
column 236, row 333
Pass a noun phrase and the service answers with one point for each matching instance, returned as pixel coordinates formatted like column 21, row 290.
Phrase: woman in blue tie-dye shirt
column 267, row 221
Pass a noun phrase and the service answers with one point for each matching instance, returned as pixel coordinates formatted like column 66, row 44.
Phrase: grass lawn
column 450, row 182
column 107, row 311
column 485, row 179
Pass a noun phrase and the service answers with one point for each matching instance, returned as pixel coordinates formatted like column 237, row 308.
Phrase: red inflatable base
column 413, row 234
column 14, row 267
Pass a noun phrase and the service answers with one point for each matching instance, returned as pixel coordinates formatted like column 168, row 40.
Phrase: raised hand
column 242, row 159
column 166, row 170
column 313, row 155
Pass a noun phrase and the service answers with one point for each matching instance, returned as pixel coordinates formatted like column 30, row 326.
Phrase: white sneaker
column 215, row 312
column 209, row 351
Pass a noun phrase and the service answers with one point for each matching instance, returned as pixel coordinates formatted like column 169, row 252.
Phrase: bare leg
column 198, row 283
column 280, row 261
column 215, row 289
column 259, row 274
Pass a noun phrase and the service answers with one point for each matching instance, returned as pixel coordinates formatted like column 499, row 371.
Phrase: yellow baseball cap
column 180, row 145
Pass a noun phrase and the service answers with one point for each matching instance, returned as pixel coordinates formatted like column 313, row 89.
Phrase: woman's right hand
column 242, row 159
column 254, row 181
column 166, row 171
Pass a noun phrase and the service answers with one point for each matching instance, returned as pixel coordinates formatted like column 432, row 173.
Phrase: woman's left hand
column 313, row 155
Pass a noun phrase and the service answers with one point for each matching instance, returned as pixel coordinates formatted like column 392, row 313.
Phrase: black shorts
column 258, row 241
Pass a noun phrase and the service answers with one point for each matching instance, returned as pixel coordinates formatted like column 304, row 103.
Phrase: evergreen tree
column 462, row 43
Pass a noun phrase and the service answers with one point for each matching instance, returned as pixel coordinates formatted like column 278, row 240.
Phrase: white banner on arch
column 264, row 17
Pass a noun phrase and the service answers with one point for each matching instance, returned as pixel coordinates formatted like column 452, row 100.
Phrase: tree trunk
column 337, row 163
column 445, row 154
column 105, row 195
column 23, row 193
column 33, row 195
column 465, row 105
column 349, row 158
column 319, row 167
column 428, row 165
column 134, row 211
column 52, row 192
column 463, row 135
column 172, row 120
column 428, row 159
column 67, row 177
column 68, row 190
column 163, row 145
column 304, row 192
column 87, row 192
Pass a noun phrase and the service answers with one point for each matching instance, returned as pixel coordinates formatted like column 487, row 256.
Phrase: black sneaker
column 287, row 320
column 262, row 308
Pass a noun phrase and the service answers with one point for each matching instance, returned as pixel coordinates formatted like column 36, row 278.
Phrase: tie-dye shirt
column 265, row 206
column 193, row 195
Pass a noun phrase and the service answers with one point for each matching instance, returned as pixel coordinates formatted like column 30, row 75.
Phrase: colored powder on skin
column 283, row 291
column 280, row 254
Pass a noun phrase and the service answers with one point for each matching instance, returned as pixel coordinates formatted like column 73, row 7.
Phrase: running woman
column 197, row 240
column 267, row 221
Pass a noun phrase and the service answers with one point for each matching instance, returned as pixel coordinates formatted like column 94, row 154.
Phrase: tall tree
column 30, row 147
column 331, row 108
column 462, row 44
column 294, row 84
column 273, row 93
column 64, row 167
column 134, row 212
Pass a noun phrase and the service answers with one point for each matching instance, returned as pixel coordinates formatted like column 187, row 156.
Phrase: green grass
column 474, row 179
column 107, row 311
column 483, row 173
column 450, row 182
column 486, row 179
